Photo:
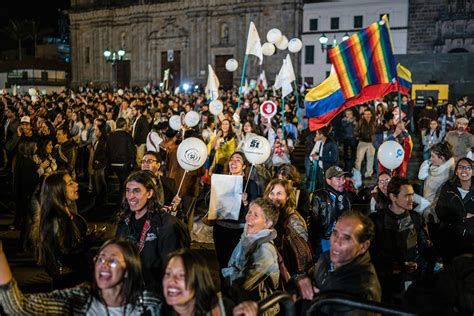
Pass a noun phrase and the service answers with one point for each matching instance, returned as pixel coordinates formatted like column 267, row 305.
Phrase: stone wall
column 422, row 19
column 453, row 69
column 193, row 27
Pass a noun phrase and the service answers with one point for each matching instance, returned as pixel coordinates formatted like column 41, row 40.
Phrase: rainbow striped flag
column 366, row 58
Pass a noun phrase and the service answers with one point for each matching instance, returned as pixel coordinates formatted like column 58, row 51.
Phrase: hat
column 335, row 171
column 25, row 119
column 462, row 120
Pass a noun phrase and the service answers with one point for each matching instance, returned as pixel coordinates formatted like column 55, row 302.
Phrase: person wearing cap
column 329, row 203
column 460, row 139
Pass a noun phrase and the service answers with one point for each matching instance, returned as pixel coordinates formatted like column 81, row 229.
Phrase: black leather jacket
column 328, row 205
column 357, row 278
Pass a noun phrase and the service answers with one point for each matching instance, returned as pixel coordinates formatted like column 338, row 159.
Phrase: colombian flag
column 325, row 101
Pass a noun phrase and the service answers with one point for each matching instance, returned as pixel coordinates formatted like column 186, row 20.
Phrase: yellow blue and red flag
column 325, row 101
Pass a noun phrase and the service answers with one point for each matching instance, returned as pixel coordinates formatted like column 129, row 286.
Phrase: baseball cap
column 335, row 171
column 25, row 119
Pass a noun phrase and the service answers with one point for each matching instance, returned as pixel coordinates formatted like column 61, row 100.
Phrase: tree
column 16, row 30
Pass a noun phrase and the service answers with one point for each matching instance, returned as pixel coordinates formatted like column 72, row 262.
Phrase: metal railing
column 334, row 298
column 278, row 297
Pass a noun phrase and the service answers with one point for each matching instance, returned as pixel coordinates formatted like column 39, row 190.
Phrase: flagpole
column 242, row 80
column 297, row 103
column 283, row 116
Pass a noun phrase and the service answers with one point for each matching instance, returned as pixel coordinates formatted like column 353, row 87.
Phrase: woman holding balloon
column 222, row 145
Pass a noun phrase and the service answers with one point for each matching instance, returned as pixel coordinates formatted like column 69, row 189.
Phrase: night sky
column 44, row 11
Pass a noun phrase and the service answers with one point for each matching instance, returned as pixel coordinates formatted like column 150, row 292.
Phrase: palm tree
column 16, row 30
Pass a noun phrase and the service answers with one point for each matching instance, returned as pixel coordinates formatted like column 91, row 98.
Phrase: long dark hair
column 455, row 178
column 133, row 284
column 147, row 179
column 198, row 278
column 52, row 226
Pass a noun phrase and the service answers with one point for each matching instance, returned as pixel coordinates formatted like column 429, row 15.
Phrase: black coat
column 142, row 128
column 357, row 278
column 99, row 160
column 166, row 234
column 120, row 148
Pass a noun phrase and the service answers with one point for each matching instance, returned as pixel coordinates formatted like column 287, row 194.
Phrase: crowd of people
column 325, row 229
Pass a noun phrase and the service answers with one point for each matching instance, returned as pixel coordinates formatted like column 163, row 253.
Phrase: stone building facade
column 183, row 36
column 441, row 26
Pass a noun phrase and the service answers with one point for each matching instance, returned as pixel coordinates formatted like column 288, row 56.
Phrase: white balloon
column 231, row 65
column 191, row 118
column 120, row 91
column 282, row 44
column 32, row 91
column 268, row 49
column 175, row 122
column 191, row 154
column 273, row 36
column 295, row 45
column 390, row 154
column 216, row 107
column 256, row 149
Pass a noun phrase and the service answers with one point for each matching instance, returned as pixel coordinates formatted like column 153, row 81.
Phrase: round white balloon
column 191, row 154
column 120, row 91
column 268, row 49
column 273, row 36
column 216, row 107
column 231, row 65
column 390, row 154
column 191, row 119
column 175, row 122
column 32, row 91
column 282, row 44
column 256, row 149
column 295, row 45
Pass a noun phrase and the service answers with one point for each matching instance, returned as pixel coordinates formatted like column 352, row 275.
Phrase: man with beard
column 328, row 204
column 460, row 139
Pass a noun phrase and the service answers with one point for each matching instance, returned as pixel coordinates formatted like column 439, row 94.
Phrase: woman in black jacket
column 60, row 233
column 455, row 210
column 25, row 180
column 154, row 232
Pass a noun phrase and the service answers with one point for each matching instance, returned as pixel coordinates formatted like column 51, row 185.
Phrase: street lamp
column 323, row 40
column 114, row 57
column 345, row 37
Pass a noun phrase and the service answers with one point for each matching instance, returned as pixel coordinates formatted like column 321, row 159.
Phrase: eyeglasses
column 149, row 161
column 384, row 181
column 113, row 263
column 467, row 168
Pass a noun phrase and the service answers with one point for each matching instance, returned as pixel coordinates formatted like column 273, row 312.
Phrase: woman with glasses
column 455, row 210
column 379, row 199
column 153, row 231
column 117, row 288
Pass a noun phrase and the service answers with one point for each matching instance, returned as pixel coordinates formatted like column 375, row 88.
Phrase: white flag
column 246, row 87
column 212, row 86
column 284, row 78
column 166, row 74
column 262, row 80
column 14, row 90
column 291, row 72
column 254, row 47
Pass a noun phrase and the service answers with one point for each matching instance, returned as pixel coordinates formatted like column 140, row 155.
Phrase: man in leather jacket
column 402, row 250
column 346, row 268
column 328, row 204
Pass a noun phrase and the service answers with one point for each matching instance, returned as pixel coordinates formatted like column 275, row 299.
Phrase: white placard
column 226, row 196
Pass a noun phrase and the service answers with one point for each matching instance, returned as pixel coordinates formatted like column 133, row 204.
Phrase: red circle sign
column 268, row 109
